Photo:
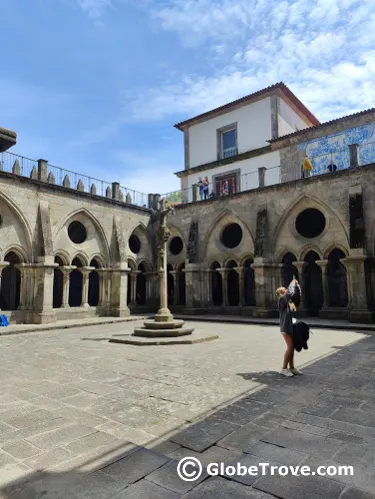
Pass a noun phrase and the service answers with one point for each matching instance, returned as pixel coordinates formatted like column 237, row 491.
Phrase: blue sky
column 96, row 86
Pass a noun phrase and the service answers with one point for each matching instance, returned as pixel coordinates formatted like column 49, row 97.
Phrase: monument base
column 188, row 339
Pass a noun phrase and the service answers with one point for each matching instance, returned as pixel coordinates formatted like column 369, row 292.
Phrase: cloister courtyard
column 81, row 417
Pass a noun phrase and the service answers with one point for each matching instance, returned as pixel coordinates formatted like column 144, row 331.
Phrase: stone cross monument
column 164, row 314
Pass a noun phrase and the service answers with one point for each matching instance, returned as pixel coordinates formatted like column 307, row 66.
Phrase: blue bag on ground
column 3, row 321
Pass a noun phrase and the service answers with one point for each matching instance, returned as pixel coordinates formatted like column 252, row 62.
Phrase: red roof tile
column 248, row 98
column 326, row 123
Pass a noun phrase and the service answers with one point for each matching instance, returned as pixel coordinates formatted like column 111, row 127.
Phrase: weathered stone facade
column 66, row 253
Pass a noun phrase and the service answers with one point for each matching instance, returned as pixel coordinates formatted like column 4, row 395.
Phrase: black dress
column 286, row 314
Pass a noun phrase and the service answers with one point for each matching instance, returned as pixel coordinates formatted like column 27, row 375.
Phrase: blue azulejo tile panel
column 334, row 148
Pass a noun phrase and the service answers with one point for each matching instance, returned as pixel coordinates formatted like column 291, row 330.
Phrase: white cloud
column 322, row 50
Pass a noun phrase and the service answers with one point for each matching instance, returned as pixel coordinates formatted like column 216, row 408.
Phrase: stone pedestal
column 358, row 306
column 43, row 285
column 119, row 291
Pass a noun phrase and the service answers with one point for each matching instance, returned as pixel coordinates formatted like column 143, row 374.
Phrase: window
column 227, row 184
column 227, row 142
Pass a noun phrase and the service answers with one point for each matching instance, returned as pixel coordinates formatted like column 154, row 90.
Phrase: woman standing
column 287, row 310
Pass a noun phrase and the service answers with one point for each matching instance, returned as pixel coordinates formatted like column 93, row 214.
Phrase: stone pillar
column 66, row 270
column 241, row 283
column 301, row 280
column 264, row 288
column 208, row 286
column 323, row 265
column 2, row 267
column 85, row 271
column 133, row 290
column 104, row 289
column 193, row 282
column 119, row 291
column 195, row 188
column 224, row 273
column 116, row 191
column 43, row 300
column 262, row 176
column 357, row 290
column 175, row 275
column 42, row 169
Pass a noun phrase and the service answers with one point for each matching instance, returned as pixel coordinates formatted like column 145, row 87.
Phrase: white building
column 231, row 143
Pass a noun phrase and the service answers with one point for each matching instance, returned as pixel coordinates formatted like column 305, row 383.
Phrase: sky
column 95, row 86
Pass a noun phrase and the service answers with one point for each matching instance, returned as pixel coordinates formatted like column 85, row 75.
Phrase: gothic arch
column 64, row 256
column 132, row 264
column 146, row 264
column 333, row 246
column 27, row 249
column 98, row 258
column 307, row 249
column 18, row 250
column 231, row 217
column 82, row 257
column 243, row 259
column 315, row 202
column 229, row 259
column 284, row 252
column 99, row 244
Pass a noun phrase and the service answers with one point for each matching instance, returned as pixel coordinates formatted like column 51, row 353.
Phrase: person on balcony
column 225, row 188
column 201, row 187
column 205, row 187
column 306, row 167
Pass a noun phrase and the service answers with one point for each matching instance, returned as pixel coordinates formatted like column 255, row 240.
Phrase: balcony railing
column 44, row 171
column 230, row 152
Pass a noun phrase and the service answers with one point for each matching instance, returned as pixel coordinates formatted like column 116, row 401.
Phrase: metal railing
column 245, row 182
column 27, row 167
column 14, row 163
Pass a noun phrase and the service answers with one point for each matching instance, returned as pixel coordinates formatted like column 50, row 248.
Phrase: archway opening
column 170, row 284
column 249, row 283
column 58, row 284
column 336, row 279
column 288, row 270
column 11, row 283
column 216, row 285
column 313, row 283
column 141, row 294
column 233, row 285
column 94, row 283
column 75, row 284
column 181, row 286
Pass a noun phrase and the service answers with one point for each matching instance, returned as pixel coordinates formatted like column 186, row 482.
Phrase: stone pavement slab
column 97, row 401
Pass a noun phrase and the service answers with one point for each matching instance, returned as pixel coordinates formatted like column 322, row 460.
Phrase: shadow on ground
column 323, row 418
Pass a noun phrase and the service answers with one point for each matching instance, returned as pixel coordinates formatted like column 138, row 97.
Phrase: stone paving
column 83, row 418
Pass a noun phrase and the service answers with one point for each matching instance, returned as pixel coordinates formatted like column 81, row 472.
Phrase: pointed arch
column 285, row 250
column 230, row 259
column 84, row 259
column 173, row 228
column 64, row 255
column 234, row 219
column 85, row 213
column 306, row 249
column 299, row 200
column 14, row 209
column 333, row 246
column 243, row 259
column 17, row 250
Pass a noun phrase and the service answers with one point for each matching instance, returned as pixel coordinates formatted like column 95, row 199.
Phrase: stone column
column 193, row 281
column 357, row 290
column 24, row 284
column 133, row 290
column 264, row 288
column 224, row 273
column 119, row 291
column 175, row 275
column 85, row 271
column 323, row 265
column 43, row 301
column 301, row 280
column 241, row 283
column 208, row 286
column 2, row 267
column 66, row 270
column 104, row 288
